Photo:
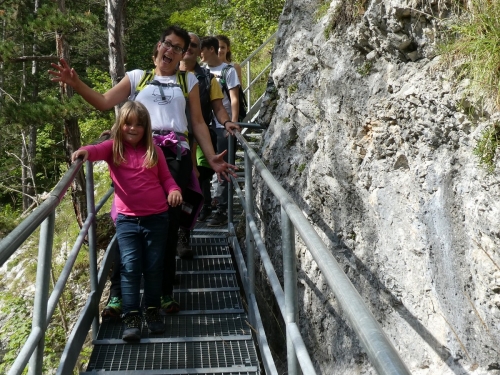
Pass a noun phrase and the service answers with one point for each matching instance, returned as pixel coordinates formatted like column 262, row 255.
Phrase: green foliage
column 322, row 10
column 365, row 69
column 344, row 14
column 9, row 219
column 17, row 328
column 301, row 168
column 487, row 146
column 293, row 88
column 473, row 47
column 95, row 122
column 247, row 23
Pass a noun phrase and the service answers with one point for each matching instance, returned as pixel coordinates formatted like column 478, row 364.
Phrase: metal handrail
column 380, row 350
column 45, row 305
column 246, row 64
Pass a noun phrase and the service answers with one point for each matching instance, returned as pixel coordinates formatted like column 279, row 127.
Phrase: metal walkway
column 211, row 334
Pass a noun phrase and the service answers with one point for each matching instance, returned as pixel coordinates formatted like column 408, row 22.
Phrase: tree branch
column 32, row 58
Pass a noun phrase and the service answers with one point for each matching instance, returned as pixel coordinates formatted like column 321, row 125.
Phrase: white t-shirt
column 168, row 114
column 231, row 80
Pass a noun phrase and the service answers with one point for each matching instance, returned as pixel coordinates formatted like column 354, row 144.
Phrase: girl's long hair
column 133, row 111
column 226, row 40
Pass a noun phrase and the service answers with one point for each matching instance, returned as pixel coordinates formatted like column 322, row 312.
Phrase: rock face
column 374, row 141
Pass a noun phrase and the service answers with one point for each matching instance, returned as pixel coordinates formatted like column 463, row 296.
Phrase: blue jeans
column 142, row 241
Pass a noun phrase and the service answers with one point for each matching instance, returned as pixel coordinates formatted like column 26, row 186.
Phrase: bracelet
column 225, row 122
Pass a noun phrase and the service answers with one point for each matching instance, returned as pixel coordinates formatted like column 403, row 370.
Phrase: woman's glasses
column 168, row 45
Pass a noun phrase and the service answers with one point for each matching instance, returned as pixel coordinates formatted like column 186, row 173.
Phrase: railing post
column 42, row 290
column 290, row 284
column 92, row 245
column 249, row 241
column 249, row 80
column 231, row 158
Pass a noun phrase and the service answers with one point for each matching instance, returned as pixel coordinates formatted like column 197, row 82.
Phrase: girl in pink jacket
column 144, row 189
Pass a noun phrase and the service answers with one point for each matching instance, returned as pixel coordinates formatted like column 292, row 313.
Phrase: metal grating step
column 205, row 264
column 200, row 249
column 188, row 355
column 227, row 300
column 221, row 325
column 194, row 281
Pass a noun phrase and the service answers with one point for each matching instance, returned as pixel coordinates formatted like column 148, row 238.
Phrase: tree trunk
column 32, row 135
column 115, row 13
column 72, row 138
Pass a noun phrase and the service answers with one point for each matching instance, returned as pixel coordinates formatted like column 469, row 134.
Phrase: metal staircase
column 211, row 335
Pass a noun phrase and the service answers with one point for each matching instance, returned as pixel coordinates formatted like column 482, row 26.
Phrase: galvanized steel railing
column 245, row 64
column 380, row 350
column 44, row 306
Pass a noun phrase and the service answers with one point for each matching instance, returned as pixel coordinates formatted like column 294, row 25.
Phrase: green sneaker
column 113, row 309
column 169, row 305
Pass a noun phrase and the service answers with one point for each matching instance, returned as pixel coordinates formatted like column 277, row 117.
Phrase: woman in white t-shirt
column 166, row 105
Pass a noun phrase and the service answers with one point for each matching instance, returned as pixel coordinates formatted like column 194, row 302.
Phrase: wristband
column 224, row 124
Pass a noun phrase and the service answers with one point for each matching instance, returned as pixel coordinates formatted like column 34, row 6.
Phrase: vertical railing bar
column 231, row 157
column 249, row 79
column 42, row 290
column 92, row 246
column 290, row 286
column 292, row 331
column 249, row 239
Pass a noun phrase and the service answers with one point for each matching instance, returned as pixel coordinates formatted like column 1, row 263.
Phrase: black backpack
column 243, row 107
column 204, row 82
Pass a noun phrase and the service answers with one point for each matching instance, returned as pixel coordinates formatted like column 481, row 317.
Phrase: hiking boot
column 169, row 305
column 132, row 321
column 113, row 309
column 183, row 249
column 217, row 219
column 204, row 214
column 153, row 320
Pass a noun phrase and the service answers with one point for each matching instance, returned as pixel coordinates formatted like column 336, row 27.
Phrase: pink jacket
column 139, row 191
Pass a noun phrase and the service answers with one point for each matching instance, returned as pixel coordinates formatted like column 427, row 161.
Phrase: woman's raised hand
column 64, row 73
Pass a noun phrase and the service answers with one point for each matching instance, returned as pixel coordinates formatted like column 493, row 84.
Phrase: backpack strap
column 208, row 77
column 181, row 79
column 146, row 78
column 223, row 80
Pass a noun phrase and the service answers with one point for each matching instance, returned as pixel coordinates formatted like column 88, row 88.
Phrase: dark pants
column 222, row 145
column 181, row 171
column 142, row 248
column 204, row 179
column 115, row 289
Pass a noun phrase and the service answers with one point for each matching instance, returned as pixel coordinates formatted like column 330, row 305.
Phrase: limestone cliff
column 370, row 137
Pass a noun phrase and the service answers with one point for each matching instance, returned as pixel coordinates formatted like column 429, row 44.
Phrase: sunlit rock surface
column 374, row 141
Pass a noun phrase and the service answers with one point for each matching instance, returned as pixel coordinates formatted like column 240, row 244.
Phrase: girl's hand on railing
column 82, row 154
